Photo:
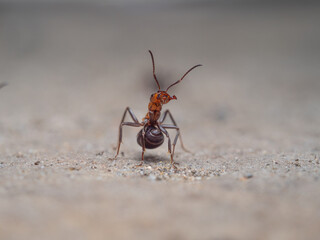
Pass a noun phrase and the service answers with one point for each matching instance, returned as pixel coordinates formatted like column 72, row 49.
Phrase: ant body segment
column 153, row 130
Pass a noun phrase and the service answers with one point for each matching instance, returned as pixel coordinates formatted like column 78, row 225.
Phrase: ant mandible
column 151, row 134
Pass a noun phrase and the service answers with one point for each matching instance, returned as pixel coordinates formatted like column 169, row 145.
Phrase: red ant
column 151, row 135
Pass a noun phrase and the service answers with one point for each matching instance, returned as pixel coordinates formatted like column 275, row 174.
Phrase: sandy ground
column 250, row 116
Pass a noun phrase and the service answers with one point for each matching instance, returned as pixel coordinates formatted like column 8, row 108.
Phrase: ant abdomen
column 153, row 137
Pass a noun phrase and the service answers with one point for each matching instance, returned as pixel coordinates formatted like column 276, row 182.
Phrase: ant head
column 162, row 96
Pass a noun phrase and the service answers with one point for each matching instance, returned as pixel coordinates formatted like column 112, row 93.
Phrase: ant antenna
column 154, row 74
column 184, row 76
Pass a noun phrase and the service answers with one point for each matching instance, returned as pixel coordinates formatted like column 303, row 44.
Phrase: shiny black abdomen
column 153, row 137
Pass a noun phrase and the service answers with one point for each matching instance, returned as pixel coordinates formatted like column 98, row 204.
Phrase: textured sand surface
column 250, row 116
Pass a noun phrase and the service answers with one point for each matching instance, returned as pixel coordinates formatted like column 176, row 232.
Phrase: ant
column 151, row 135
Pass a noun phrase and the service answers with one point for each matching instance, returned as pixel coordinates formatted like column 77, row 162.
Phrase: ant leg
column 143, row 148
column 176, row 137
column 133, row 116
column 163, row 117
column 130, row 124
column 169, row 144
column 122, row 123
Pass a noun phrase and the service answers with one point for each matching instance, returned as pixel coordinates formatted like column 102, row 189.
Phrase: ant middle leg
column 143, row 147
column 135, row 123
column 162, row 129
column 174, row 126
column 168, row 126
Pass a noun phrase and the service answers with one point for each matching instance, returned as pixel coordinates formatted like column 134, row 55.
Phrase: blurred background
column 73, row 66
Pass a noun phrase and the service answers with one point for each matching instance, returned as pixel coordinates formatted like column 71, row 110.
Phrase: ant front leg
column 136, row 123
column 174, row 126
column 163, row 130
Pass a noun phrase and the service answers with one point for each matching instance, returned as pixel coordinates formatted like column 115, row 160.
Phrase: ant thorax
column 155, row 105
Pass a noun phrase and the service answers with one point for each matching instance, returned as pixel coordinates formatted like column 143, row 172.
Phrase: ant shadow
column 151, row 158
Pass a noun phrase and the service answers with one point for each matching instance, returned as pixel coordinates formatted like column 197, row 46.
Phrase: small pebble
column 247, row 176
column 74, row 168
column 19, row 155
column 100, row 153
column 152, row 177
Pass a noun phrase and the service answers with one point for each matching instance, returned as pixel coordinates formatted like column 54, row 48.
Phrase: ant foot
column 186, row 150
column 173, row 165
column 139, row 165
